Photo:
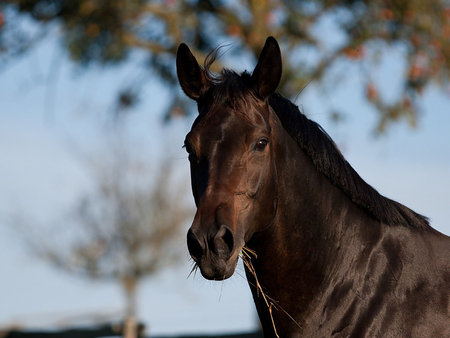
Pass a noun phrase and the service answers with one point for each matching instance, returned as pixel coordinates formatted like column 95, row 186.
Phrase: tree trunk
column 130, row 328
column 130, row 284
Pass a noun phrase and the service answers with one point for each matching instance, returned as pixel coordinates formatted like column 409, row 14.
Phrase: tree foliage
column 106, row 31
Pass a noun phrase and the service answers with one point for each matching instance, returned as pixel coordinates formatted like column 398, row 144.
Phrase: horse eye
column 188, row 148
column 261, row 144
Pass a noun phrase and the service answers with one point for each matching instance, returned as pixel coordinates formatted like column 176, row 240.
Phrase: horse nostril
column 224, row 241
column 195, row 247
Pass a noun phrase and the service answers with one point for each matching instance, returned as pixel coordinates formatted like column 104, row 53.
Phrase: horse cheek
column 263, row 194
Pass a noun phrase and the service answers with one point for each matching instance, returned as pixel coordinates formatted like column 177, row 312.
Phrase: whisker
column 240, row 275
column 221, row 289
column 193, row 270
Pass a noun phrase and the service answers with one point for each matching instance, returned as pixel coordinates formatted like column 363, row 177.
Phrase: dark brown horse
column 325, row 254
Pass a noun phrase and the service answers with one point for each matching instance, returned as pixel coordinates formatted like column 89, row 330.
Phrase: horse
column 325, row 254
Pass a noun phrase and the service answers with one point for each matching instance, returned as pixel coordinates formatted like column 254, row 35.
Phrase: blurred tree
column 105, row 31
column 128, row 227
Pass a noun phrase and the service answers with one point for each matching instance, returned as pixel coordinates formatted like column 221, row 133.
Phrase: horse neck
column 297, row 254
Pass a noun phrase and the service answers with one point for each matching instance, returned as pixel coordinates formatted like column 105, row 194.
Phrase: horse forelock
column 227, row 89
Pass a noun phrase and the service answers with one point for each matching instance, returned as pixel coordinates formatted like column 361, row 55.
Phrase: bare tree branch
column 128, row 227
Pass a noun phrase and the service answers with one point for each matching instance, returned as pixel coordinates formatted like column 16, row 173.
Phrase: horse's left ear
column 267, row 73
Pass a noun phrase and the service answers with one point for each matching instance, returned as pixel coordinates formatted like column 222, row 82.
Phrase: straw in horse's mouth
column 271, row 303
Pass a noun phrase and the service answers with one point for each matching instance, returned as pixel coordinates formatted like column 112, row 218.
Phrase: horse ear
column 191, row 77
column 267, row 73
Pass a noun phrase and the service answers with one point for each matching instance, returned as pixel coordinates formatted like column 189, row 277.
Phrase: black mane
column 236, row 90
column 328, row 160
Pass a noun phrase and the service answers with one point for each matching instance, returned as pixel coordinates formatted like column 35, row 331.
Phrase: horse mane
column 234, row 89
column 328, row 160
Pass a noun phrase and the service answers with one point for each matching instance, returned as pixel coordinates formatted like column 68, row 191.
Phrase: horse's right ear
column 267, row 73
column 191, row 77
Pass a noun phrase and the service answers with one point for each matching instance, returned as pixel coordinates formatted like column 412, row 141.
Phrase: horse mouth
column 216, row 268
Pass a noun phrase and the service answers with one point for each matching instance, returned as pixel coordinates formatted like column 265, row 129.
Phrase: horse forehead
column 225, row 121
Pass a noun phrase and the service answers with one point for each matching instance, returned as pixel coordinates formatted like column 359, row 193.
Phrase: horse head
column 231, row 149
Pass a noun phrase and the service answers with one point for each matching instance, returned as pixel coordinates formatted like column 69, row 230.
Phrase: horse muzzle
column 214, row 252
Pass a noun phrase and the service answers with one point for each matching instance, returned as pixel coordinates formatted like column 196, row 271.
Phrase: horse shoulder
column 402, row 288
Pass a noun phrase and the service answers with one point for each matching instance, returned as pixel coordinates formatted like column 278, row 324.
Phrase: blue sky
column 41, row 175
